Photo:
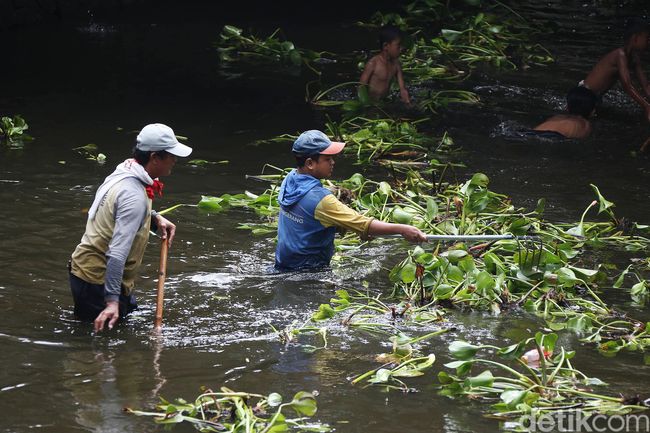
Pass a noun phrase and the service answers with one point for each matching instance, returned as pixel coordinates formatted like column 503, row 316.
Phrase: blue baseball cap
column 314, row 142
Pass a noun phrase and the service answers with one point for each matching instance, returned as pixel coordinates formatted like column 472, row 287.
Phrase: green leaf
column 462, row 350
column 579, row 324
column 274, row 399
column 513, row 351
column 512, row 398
column 639, row 289
column 483, row 379
column 432, row 209
column 384, row 188
column 304, row 403
column 566, row 277
column 621, row 278
column 381, row 376
column 484, row 281
column 443, row 291
column 407, row 274
column 295, row 57
column 454, row 255
column 546, row 341
column 603, row 204
column 231, row 30
column 480, row 180
column 450, row 35
column 210, row 203
column 325, row 311
column 400, row 216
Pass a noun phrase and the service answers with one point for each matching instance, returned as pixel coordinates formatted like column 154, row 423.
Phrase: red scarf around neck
column 156, row 188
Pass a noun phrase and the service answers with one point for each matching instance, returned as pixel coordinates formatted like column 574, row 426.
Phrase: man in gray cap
column 103, row 266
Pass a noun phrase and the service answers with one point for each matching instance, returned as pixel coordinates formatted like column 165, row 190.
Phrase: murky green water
column 77, row 85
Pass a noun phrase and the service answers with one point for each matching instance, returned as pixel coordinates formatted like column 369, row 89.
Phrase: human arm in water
column 403, row 93
column 626, row 82
column 640, row 75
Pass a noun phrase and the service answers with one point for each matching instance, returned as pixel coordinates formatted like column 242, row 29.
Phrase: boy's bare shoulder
column 374, row 59
column 613, row 56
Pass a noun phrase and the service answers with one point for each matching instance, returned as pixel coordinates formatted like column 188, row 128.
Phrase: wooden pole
column 162, row 273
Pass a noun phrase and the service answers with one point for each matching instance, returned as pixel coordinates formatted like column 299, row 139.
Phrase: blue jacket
column 303, row 242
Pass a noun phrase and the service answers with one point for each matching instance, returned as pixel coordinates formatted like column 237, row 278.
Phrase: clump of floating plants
column 91, row 152
column 355, row 97
column 386, row 141
column 490, row 33
column 12, row 131
column 523, row 382
column 461, row 41
column 231, row 411
column 234, row 45
column 547, row 275
column 369, row 313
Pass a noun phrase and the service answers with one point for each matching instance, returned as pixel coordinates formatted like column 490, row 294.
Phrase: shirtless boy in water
column 618, row 63
column 383, row 67
column 581, row 103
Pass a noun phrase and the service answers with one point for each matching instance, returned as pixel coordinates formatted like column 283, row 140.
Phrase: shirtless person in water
column 383, row 67
column 617, row 65
column 581, row 104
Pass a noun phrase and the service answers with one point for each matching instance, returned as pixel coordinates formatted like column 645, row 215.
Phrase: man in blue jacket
column 310, row 213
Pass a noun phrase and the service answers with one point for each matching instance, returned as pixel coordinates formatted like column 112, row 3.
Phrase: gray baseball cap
column 314, row 142
column 157, row 137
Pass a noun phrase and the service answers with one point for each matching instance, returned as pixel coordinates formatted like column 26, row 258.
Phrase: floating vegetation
column 425, row 98
column 231, row 411
column 91, row 153
column 491, row 33
column 548, row 278
column 12, row 131
column 548, row 385
column 234, row 46
column 386, row 141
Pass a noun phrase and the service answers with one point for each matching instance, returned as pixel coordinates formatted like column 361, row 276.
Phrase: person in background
column 385, row 66
column 581, row 104
column 103, row 266
column 310, row 213
column 618, row 64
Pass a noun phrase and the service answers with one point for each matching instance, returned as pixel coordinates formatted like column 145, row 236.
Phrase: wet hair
column 581, row 101
column 301, row 159
column 388, row 34
column 633, row 27
column 143, row 156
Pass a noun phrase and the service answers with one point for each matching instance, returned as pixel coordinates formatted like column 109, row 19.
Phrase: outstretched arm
column 410, row 233
column 640, row 75
column 626, row 81
column 403, row 93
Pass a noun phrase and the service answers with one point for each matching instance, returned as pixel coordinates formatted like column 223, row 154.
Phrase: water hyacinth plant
column 548, row 278
column 387, row 141
column 234, row 45
column 549, row 385
column 12, row 131
column 485, row 32
column 231, row 411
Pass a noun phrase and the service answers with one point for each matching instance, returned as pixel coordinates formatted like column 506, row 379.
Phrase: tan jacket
column 100, row 241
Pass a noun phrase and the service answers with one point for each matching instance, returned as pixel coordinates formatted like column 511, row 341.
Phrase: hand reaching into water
column 110, row 313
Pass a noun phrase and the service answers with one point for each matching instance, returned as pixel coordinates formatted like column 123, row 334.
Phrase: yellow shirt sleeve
column 331, row 212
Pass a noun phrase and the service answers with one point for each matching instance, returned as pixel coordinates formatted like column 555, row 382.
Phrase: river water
column 95, row 82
